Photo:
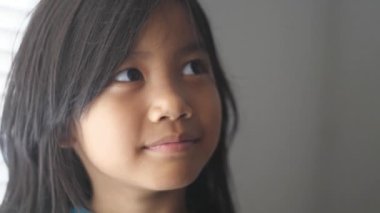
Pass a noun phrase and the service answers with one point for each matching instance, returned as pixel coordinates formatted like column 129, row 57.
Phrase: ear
column 68, row 138
column 66, row 144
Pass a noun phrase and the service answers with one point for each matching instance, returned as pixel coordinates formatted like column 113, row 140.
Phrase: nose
column 168, row 103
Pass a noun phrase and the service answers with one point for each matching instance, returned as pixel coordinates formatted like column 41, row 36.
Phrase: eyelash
column 201, row 67
column 120, row 78
column 196, row 65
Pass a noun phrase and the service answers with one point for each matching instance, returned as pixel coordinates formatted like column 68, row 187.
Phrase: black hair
column 65, row 60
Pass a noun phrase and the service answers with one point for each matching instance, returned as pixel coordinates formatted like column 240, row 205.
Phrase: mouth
column 173, row 144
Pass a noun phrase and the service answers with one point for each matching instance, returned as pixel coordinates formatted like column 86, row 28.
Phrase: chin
column 174, row 183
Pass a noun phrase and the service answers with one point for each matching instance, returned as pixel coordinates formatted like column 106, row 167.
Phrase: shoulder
column 79, row 210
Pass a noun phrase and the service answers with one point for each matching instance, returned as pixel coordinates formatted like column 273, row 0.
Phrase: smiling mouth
column 175, row 146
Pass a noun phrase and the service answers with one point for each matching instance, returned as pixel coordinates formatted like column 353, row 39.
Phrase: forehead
column 168, row 27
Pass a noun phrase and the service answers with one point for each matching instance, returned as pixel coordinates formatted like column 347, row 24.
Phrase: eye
column 194, row 67
column 128, row 75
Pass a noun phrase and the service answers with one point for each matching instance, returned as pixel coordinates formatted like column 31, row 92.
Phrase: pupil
column 195, row 67
column 134, row 74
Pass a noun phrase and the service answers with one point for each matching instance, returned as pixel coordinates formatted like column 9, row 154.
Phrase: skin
column 170, row 98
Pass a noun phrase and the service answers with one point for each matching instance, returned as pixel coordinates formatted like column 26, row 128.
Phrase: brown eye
column 194, row 67
column 128, row 75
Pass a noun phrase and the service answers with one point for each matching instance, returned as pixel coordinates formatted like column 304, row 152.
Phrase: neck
column 119, row 201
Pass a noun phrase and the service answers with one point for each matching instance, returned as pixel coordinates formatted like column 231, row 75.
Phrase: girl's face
column 157, row 124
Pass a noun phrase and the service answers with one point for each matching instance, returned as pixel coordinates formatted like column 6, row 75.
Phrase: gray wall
column 307, row 78
column 351, row 153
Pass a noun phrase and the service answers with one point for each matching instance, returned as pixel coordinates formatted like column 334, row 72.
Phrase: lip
column 173, row 142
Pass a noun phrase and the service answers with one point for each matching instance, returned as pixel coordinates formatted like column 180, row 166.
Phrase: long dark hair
column 65, row 60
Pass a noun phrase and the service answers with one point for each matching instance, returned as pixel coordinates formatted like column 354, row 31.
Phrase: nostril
column 172, row 108
column 185, row 115
column 175, row 116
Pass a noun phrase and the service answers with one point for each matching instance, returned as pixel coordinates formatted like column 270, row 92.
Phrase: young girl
column 117, row 106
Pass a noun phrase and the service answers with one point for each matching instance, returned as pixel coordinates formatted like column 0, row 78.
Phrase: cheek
column 110, row 127
column 208, row 109
column 210, row 114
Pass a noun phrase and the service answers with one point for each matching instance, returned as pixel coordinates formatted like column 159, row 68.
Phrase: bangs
column 97, row 40
column 100, row 38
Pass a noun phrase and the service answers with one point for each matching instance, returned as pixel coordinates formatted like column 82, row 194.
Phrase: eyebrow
column 190, row 47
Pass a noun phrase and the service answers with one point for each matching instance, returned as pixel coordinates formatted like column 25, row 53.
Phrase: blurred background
column 306, row 74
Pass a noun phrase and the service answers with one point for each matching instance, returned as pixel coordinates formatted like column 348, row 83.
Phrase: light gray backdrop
column 307, row 78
